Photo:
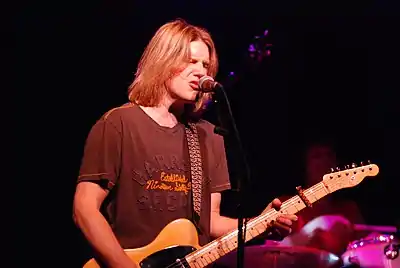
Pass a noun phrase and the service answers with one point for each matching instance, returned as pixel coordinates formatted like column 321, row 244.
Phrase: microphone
column 207, row 84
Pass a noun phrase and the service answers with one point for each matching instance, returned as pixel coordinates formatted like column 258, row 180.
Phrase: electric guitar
column 177, row 244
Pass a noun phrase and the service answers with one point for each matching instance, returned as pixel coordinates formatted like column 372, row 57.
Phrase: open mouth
column 194, row 85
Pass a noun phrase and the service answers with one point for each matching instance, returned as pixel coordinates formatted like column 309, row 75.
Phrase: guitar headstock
column 349, row 177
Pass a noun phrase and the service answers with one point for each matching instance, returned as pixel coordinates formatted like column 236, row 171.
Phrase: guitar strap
column 196, row 169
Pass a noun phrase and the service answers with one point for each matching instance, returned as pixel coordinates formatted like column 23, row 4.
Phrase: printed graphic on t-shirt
column 164, row 185
column 169, row 182
column 162, row 201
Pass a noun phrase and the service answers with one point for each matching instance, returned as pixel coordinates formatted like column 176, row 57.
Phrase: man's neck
column 166, row 114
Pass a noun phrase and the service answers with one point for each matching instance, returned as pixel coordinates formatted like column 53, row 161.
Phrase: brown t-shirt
column 146, row 166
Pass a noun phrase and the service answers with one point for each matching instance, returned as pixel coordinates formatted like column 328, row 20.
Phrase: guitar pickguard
column 172, row 257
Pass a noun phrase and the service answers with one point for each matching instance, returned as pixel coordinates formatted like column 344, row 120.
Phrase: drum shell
column 370, row 252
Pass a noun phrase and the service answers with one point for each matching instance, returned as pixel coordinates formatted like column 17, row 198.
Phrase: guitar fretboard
column 256, row 226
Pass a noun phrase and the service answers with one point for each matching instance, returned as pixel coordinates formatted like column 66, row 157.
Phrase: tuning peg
column 332, row 170
column 361, row 163
column 369, row 162
column 347, row 166
column 338, row 168
column 353, row 165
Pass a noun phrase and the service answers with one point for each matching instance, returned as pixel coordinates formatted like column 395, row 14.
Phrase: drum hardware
column 392, row 251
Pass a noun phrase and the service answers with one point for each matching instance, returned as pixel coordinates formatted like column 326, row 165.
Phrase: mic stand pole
column 223, row 130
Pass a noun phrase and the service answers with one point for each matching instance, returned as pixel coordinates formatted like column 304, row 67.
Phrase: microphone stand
column 220, row 94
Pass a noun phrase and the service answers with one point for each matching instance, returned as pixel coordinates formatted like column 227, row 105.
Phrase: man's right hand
column 126, row 263
column 87, row 201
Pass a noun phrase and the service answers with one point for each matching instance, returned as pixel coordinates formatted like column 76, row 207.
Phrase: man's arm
column 221, row 225
column 87, row 216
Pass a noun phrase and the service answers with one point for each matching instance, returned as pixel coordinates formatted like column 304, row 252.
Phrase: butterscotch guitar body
column 175, row 241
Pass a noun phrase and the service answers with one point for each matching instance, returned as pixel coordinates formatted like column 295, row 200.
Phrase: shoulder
column 114, row 119
column 209, row 130
column 206, row 126
column 117, row 116
column 118, row 112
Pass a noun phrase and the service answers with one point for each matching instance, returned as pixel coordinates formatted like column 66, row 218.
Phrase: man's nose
column 199, row 74
column 199, row 70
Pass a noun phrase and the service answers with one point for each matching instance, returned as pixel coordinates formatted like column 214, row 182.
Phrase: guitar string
column 293, row 200
column 257, row 220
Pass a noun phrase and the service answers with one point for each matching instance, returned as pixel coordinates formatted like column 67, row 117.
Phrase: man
column 135, row 161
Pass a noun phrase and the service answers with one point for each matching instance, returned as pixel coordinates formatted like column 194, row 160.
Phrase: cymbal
column 272, row 256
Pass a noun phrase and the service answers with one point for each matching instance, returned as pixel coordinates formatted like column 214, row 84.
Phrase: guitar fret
column 260, row 228
column 322, row 192
column 196, row 264
column 248, row 233
column 208, row 258
column 227, row 247
column 203, row 261
column 231, row 245
column 215, row 254
column 299, row 205
column 254, row 230
column 220, row 251
column 311, row 196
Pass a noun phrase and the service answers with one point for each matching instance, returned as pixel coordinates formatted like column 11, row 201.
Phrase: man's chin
column 192, row 99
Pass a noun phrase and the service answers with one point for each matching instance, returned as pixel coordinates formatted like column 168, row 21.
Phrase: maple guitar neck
column 258, row 225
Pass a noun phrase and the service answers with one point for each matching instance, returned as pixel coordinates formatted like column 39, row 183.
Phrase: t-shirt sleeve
column 102, row 155
column 219, row 172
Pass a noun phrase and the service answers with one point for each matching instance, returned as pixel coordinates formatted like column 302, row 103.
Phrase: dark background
column 332, row 74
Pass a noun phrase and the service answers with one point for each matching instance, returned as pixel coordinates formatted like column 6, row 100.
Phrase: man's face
column 183, row 86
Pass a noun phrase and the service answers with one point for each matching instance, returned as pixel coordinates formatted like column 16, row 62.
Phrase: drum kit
column 377, row 250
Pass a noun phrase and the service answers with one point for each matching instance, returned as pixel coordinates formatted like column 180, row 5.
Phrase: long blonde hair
column 167, row 53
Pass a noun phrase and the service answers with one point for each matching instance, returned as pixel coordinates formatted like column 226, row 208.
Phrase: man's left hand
column 281, row 227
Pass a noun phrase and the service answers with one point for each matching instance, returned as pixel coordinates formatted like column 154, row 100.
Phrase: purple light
column 252, row 48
